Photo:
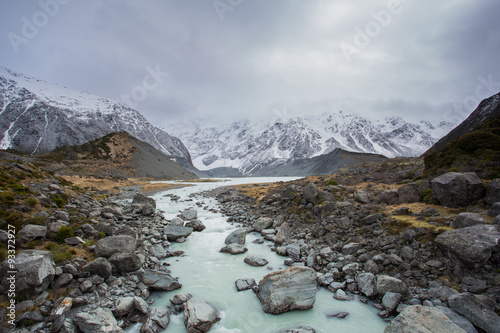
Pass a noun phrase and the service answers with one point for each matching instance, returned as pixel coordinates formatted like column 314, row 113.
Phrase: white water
column 209, row 275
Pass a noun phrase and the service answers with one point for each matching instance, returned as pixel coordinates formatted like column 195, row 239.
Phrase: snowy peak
column 250, row 146
column 36, row 117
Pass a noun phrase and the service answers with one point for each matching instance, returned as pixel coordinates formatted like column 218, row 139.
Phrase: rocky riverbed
column 443, row 279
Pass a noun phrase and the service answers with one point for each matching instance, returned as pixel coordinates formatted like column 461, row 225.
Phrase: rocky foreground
column 88, row 263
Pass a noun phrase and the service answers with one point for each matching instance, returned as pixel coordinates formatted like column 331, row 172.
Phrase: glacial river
column 209, row 275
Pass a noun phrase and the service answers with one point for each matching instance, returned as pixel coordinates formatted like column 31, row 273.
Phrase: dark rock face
column 291, row 289
column 472, row 246
column 493, row 192
column 455, row 189
column 475, row 311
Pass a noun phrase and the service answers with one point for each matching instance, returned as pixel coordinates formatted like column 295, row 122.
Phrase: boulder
column 293, row 251
column 100, row 266
column 458, row 319
column 262, row 223
column 199, row 316
column 371, row 219
column 472, row 246
column 494, row 210
column 310, row 193
column 173, row 233
column 457, row 189
column 475, row 311
column 409, row 193
column 61, row 215
column 422, row 319
column 391, row 300
column 108, row 246
column 30, row 232
column 115, row 211
column 362, row 197
column 189, row 214
column 156, row 321
column 35, row 272
column 283, row 234
column 146, row 206
column 387, row 283
column 351, row 248
column 126, row 262
column 493, row 192
column 99, row 320
column 55, row 226
column 367, row 284
column 245, row 284
column 255, row 261
column 62, row 281
column 290, row 289
column 234, row 249
column 74, row 241
column 124, row 306
column 463, row 220
column 197, row 225
column 156, row 280
column 237, row 236
column 157, row 251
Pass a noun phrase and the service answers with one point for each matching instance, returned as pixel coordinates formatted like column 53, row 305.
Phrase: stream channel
column 210, row 275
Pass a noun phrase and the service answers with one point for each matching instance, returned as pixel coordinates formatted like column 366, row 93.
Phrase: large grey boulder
column 156, row 321
column 422, row 319
column 458, row 319
column 283, row 234
column 173, row 232
column 290, row 289
column 472, row 246
column 237, row 236
column 387, row 283
column 455, row 189
column 108, row 246
column 197, row 225
column 463, row 220
column 114, row 211
column 157, row 280
column 124, row 306
column 30, row 232
column 146, row 206
column 367, row 284
column 99, row 320
column 493, row 192
column 100, row 266
column 262, row 223
column 475, row 311
column 126, row 262
column 35, row 272
column 189, row 214
column 310, row 193
column 199, row 316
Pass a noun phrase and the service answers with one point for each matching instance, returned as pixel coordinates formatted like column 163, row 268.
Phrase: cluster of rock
column 108, row 293
column 449, row 276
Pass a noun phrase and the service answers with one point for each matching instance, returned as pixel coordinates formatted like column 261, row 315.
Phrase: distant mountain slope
column 473, row 146
column 115, row 155
column 319, row 165
column 250, row 146
column 36, row 117
column 488, row 108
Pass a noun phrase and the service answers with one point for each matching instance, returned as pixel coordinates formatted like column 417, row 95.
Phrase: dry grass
column 257, row 191
column 114, row 186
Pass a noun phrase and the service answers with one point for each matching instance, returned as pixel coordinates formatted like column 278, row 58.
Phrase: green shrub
column 40, row 220
column 60, row 252
column 7, row 199
column 18, row 188
column 63, row 233
column 332, row 182
column 3, row 252
column 32, row 202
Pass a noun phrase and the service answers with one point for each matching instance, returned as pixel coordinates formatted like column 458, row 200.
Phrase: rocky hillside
column 115, row 155
column 37, row 117
column 472, row 146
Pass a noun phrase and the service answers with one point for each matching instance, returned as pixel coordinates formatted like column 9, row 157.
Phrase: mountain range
column 249, row 146
column 37, row 117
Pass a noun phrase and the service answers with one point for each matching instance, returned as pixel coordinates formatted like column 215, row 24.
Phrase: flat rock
column 156, row 280
column 422, row 319
column 234, row 249
column 173, row 233
column 475, row 311
column 255, row 261
column 472, row 246
column 290, row 289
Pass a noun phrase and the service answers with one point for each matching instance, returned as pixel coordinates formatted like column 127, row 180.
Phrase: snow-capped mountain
column 249, row 146
column 36, row 117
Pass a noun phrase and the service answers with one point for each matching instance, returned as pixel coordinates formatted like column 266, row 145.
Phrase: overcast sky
column 235, row 58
